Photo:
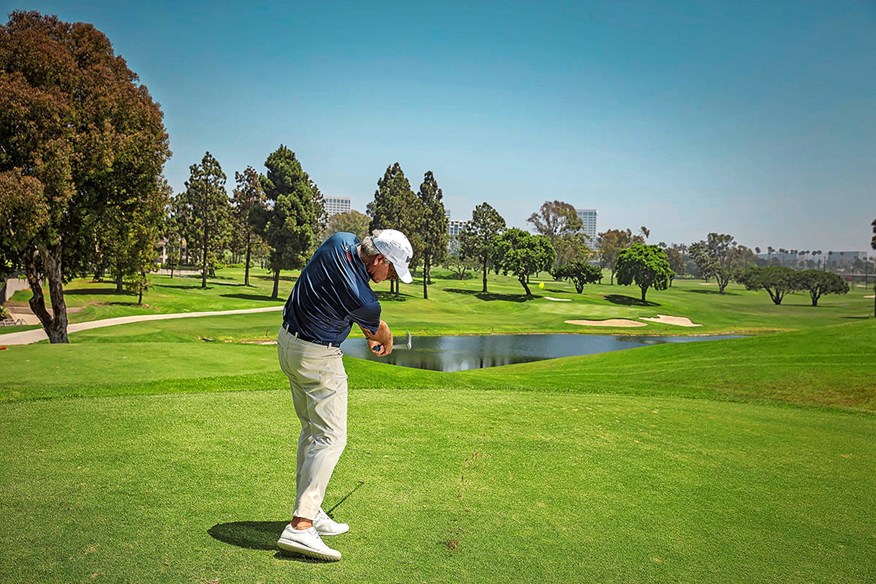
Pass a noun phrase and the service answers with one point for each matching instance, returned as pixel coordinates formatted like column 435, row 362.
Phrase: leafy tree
column 350, row 222
column 571, row 248
column 520, row 253
column 433, row 227
column 720, row 256
column 580, row 273
column 555, row 219
column 248, row 200
column 173, row 235
column 675, row 254
column 776, row 280
column 291, row 221
column 478, row 237
column 395, row 206
column 611, row 243
column 208, row 213
column 78, row 135
column 456, row 262
column 646, row 265
column 818, row 283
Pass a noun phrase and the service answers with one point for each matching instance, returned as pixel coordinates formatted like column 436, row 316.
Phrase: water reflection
column 476, row 352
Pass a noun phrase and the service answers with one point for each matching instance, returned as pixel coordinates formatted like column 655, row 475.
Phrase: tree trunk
column 612, row 277
column 425, row 278
column 54, row 324
column 644, row 291
column 119, row 282
column 522, row 280
column 248, row 254
column 484, row 291
column 276, row 291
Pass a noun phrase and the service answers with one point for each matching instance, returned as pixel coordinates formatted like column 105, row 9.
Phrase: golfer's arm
column 382, row 336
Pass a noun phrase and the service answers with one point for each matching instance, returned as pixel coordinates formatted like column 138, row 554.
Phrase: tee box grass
column 142, row 453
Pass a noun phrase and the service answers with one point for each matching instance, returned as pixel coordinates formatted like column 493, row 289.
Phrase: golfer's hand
column 380, row 349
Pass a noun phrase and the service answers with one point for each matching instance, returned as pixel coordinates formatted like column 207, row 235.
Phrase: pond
column 457, row 353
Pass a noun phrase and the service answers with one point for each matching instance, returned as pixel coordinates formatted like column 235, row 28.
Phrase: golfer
column 332, row 293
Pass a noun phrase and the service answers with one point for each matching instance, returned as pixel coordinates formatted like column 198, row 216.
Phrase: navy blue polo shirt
column 332, row 293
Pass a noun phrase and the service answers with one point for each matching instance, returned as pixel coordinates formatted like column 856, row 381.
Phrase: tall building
column 588, row 218
column 454, row 226
column 335, row 205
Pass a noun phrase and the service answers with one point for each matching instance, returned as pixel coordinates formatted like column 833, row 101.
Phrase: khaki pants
column 319, row 391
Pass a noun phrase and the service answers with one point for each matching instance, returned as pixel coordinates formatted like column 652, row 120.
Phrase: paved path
column 28, row 337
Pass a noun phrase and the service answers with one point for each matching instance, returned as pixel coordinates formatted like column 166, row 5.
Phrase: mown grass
column 143, row 453
column 458, row 307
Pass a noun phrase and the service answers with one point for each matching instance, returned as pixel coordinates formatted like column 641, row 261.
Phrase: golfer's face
column 382, row 270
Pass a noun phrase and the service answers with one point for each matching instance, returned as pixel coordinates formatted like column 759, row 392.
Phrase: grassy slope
column 827, row 366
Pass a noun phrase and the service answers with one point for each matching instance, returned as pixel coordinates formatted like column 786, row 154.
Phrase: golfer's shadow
column 256, row 535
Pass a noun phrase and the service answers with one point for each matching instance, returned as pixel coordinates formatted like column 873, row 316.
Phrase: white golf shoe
column 307, row 543
column 325, row 525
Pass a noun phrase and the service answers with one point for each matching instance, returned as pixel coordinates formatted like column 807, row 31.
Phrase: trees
column 580, row 273
column 79, row 136
column 720, row 256
column 776, row 280
column 208, row 213
column 478, row 237
column 818, row 283
column 646, row 265
column 290, row 222
column 456, row 262
column 349, row 221
column 248, row 200
column 675, row 254
column 521, row 253
column 611, row 243
column 555, row 219
column 433, row 227
column 395, row 206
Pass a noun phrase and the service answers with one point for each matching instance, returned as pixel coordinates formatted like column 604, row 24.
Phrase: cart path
column 36, row 335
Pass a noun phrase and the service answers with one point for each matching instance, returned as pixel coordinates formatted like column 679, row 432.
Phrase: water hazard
column 457, row 353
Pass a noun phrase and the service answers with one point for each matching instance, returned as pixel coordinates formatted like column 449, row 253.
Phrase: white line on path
column 33, row 336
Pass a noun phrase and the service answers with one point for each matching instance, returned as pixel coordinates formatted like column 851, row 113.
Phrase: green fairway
column 164, row 451
column 444, row 486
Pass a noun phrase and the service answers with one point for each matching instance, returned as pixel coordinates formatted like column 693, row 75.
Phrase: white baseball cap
column 397, row 249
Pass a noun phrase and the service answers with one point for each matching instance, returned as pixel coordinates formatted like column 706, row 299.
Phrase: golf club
column 407, row 345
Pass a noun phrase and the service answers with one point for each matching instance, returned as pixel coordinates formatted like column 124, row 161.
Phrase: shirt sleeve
column 368, row 316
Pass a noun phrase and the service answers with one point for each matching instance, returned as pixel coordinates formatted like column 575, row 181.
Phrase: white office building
column 455, row 226
column 335, row 205
column 588, row 218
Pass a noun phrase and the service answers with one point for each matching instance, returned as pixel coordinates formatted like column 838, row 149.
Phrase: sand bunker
column 616, row 322
column 558, row 299
column 673, row 320
column 871, row 296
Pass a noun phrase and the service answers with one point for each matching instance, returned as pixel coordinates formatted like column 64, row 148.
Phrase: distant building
column 588, row 218
column 454, row 226
column 335, row 205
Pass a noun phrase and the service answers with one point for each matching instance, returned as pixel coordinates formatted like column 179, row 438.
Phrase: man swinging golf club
column 332, row 293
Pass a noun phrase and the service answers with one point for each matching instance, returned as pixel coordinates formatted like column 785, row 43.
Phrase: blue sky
column 756, row 119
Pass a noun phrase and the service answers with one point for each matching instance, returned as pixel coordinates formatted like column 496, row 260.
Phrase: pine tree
column 291, row 221
column 395, row 206
column 208, row 211
column 433, row 227
column 248, row 199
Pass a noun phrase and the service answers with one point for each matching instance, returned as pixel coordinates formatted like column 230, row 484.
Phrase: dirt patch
column 673, row 320
column 615, row 322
